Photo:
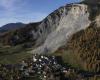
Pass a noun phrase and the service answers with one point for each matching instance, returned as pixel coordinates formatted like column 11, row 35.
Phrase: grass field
column 14, row 54
column 69, row 57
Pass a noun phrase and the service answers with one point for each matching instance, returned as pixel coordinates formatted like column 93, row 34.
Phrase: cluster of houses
column 39, row 67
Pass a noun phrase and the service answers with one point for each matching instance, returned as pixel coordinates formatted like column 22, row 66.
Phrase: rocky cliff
column 55, row 30
column 80, row 19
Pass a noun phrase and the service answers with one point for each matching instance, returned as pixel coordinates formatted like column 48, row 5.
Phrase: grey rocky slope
column 55, row 30
column 60, row 25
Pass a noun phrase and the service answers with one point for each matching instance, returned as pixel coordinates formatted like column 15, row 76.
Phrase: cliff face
column 60, row 25
column 55, row 30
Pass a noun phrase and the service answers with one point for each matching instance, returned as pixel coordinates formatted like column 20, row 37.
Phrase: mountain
column 75, row 27
column 11, row 26
column 21, row 35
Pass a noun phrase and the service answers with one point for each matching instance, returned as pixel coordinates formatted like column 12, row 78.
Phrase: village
column 41, row 67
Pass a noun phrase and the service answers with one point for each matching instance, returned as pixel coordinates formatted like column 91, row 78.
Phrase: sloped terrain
column 19, row 36
column 73, row 18
column 86, row 46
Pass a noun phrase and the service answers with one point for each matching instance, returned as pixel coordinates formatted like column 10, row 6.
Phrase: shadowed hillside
column 19, row 36
column 11, row 26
